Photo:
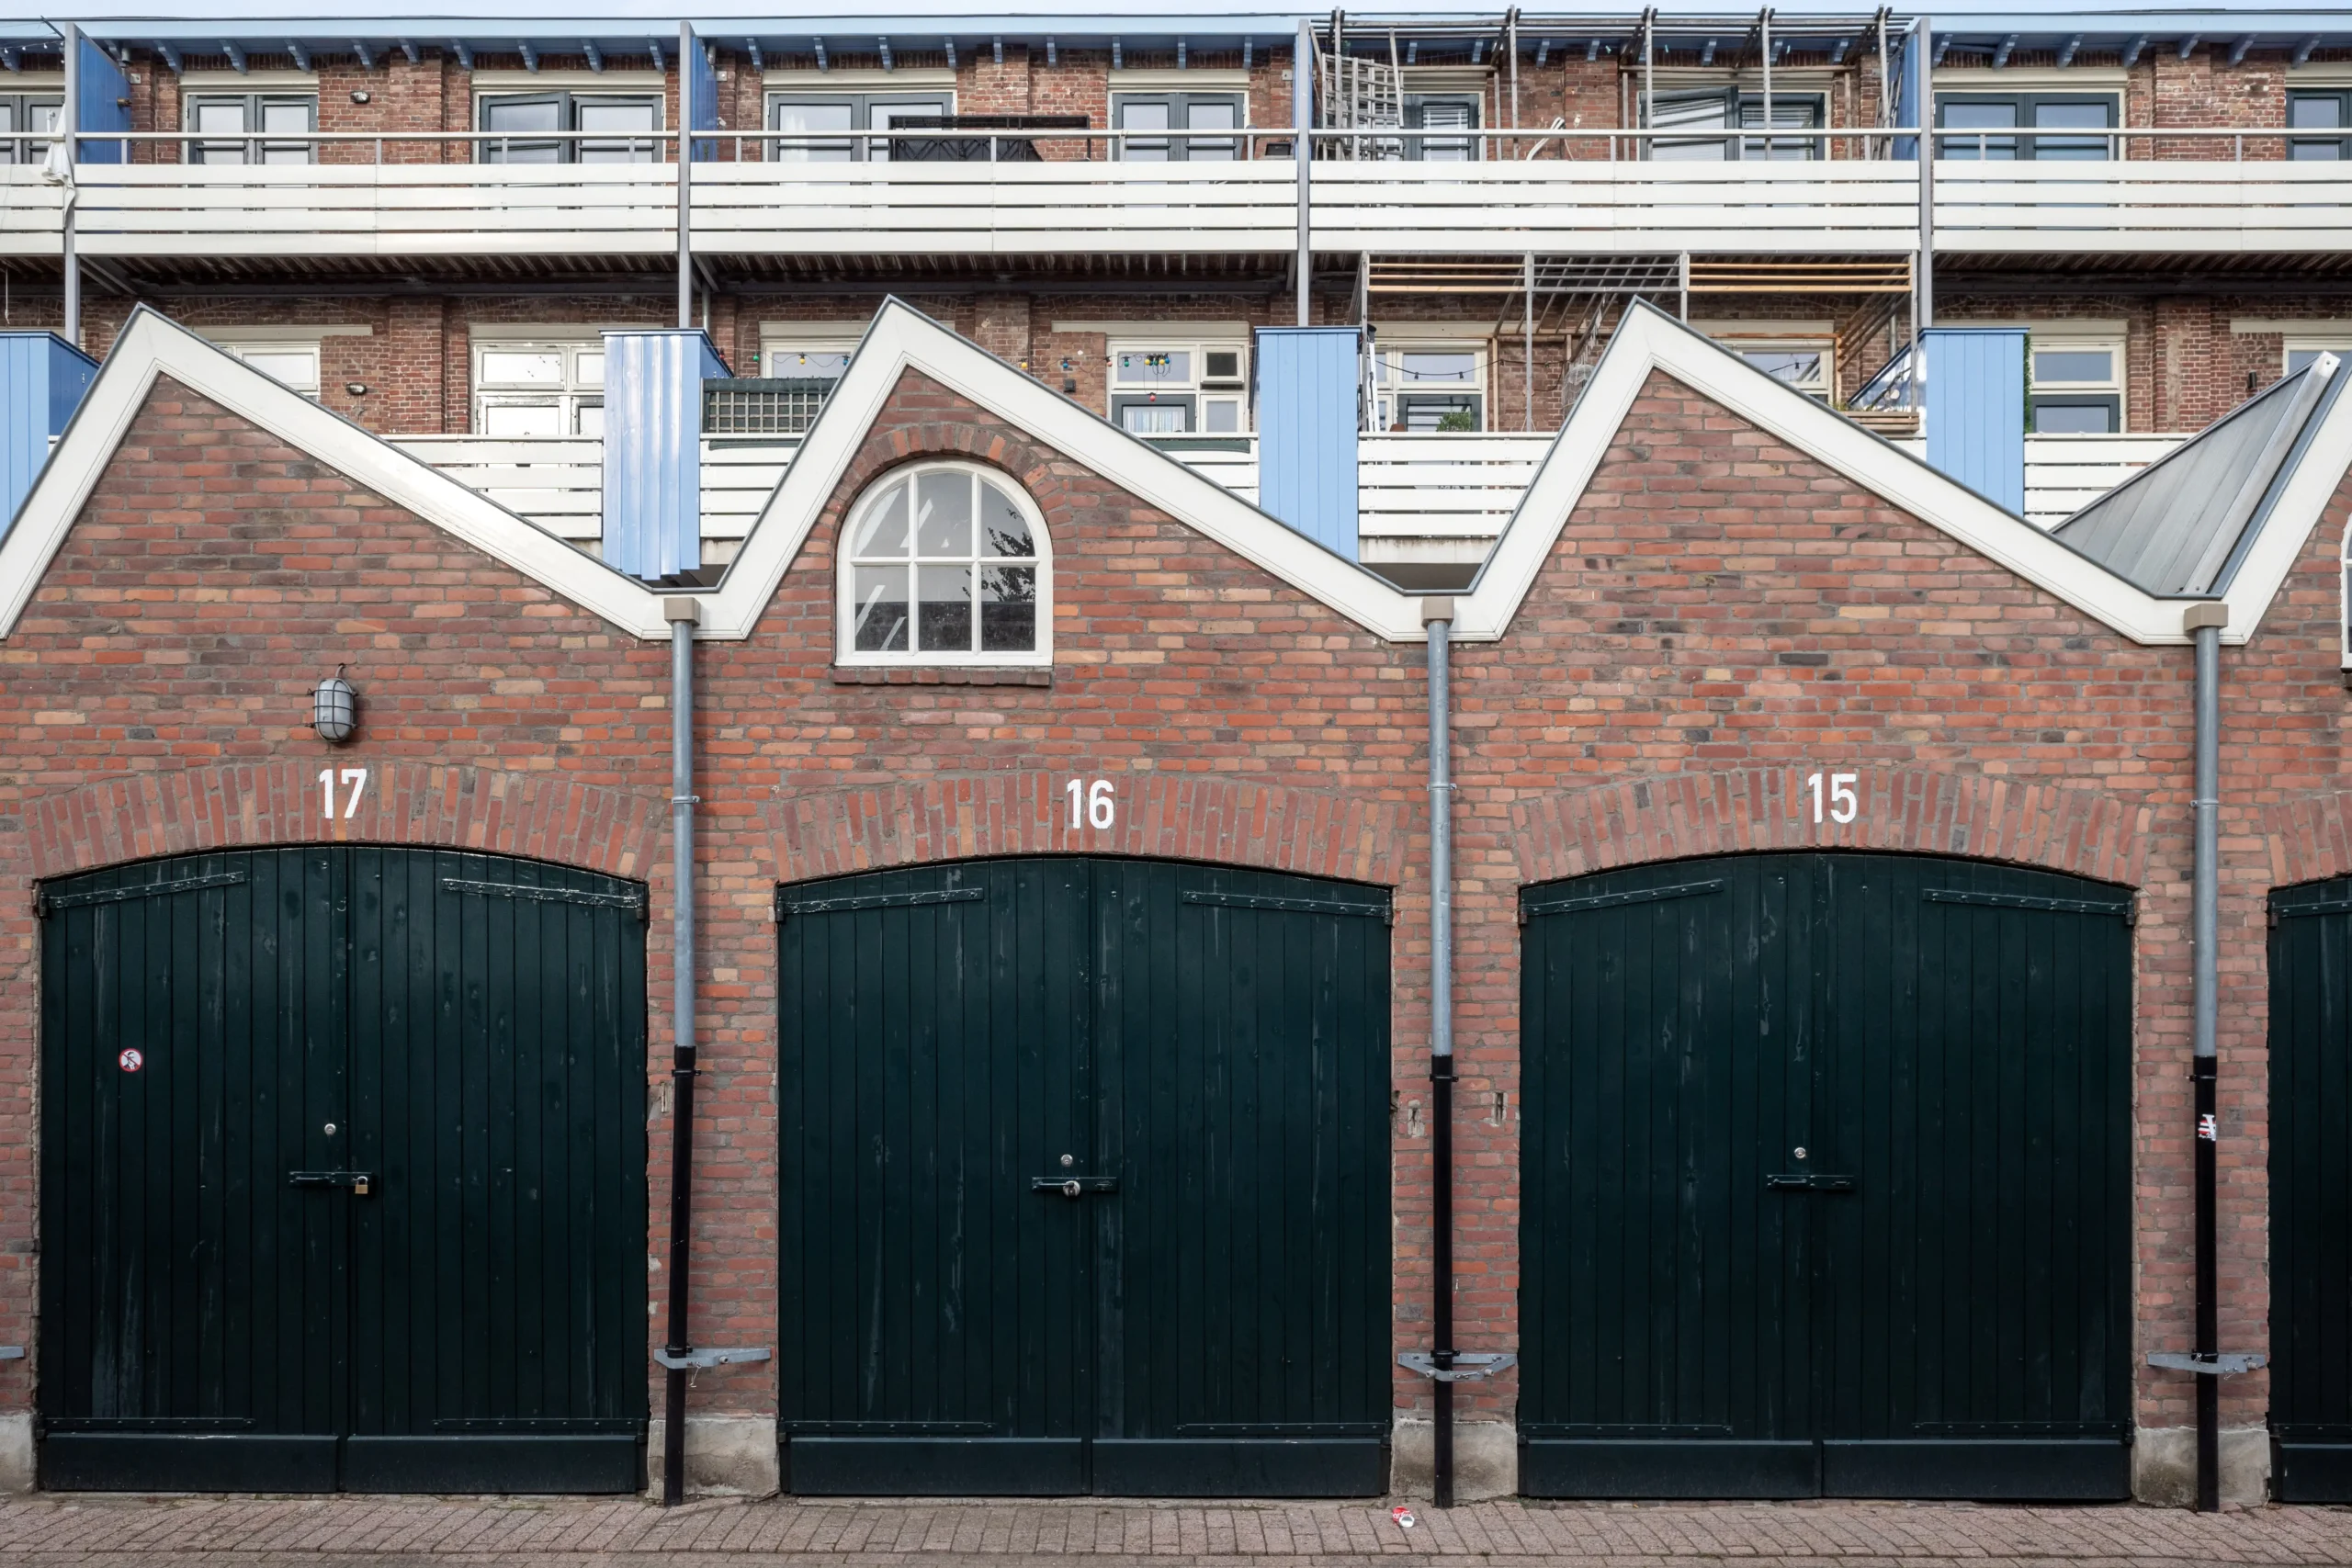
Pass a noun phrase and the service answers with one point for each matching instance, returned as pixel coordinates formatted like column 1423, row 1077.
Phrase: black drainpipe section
column 2205, row 626
column 681, row 613
column 1437, row 615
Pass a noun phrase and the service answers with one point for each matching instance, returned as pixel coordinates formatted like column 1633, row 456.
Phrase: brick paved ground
column 283, row 1533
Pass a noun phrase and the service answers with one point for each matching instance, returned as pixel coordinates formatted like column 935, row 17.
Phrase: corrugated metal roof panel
column 2180, row 523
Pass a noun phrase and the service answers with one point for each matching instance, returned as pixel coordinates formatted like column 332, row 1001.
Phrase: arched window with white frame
column 946, row 563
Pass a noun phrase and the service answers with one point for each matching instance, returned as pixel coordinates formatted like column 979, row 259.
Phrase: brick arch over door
column 2308, row 839
column 409, row 804
column 1168, row 816
column 2086, row 832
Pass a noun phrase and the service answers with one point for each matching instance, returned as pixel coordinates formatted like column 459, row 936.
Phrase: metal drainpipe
column 1302, row 120
column 69, row 121
column 1437, row 615
column 681, row 613
column 686, row 176
column 2204, row 622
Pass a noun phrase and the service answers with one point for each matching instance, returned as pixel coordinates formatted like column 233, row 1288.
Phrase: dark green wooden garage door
column 227, row 1042
column 2311, row 1191
column 1826, row 1181
column 1205, row 1053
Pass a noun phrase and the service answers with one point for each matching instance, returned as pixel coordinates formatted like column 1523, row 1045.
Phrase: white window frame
column 846, row 652
column 1388, row 366
column 1198, row 387
column 2337, row 342
column 2061, row 336
column 581, row 388
column 245, row 348
column 778, row 356
column 858, row 143
column 252, row 145
column 640, row 146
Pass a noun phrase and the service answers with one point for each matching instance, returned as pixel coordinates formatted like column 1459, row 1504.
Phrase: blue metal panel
column 1306, row 431
column 653, row 450
column 42, row 378
column 1975, row 408
column 103, row 103
column 705, row 101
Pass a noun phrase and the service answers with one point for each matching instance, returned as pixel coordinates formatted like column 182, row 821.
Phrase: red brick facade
column 1722, row 615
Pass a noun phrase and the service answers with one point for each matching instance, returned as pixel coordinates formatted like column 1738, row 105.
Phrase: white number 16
column 1844, row 804
column 1101, row 806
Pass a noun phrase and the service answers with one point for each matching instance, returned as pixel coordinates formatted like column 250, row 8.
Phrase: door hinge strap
column 1534, row 906
column 1806, row 1182
column 2322, row 907
column 694, row 1360
column 632, row 902
column 787, row 905
column 2220, row 1364
column 44, row 902
column 2022, row 902
column 1291, row 906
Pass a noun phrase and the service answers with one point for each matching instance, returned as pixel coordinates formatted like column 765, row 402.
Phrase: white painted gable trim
column 1652, row 340
column 902, row 338
column 152, row 345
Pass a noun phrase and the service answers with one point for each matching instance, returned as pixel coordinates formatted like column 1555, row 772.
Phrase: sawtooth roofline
column 902, row 338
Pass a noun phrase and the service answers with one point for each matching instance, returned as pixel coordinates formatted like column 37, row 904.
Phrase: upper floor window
column 948, row 564
column 1151, row 121
column 1430, row 387
column 292, row 362
column 2076, row 384
column 813, row 128
column 251, row 127
column 23, row 118
column 1733, row 109
column 2009, row 127
column 526, row 389
column 1172, row 387
column 1434, row 113
column 532, row 128
column 1807, row 367
column 2302, row 349
column 2320, row 110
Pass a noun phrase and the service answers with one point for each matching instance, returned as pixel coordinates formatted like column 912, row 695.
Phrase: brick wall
column 1720, row 615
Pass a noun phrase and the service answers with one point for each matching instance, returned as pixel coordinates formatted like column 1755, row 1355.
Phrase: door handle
column 358, row 1180
column 1073, row 1185
column 1810, row 1183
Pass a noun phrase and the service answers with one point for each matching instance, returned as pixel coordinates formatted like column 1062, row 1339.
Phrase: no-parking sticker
column 131, row 1060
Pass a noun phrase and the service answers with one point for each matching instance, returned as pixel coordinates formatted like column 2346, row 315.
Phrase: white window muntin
column 528, row 388
column 1179, row 386
column 1418, row 384
column 927, row 551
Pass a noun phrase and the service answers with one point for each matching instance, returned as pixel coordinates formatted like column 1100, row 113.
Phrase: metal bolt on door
column 1085, row 1182
column 342, row 1175
column 1825, row 1176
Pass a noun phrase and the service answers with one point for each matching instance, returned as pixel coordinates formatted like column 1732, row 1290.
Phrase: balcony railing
column 1563, row 194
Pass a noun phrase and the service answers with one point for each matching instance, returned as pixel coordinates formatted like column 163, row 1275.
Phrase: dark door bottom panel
column 1239, row 1467
column 935, row 1466
column 1616, row 1467
column 158, row 1461
column 542, row 1462
column 1989, row 1468
column 2311, row 1472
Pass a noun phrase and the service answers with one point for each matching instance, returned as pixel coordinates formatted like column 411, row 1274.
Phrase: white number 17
column 355, row 778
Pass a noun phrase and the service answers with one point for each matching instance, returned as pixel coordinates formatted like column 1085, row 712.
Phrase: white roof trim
column 1650, row 339
column 150, row 345
column 902, row 338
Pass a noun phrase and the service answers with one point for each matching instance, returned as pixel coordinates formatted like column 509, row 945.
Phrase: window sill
column 942, row 675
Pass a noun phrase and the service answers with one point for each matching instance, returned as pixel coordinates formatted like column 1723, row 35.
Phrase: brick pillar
column 457, row 390
column 413, row 397
column 2187, row 366
column 1000, row 325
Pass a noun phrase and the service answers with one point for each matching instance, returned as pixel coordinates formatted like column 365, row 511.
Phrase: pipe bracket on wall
column 1468, row 1365
column 693, row 1360
column 2220, row 1364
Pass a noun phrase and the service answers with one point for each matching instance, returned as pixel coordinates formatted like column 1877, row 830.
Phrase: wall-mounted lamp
column 334, row 709
column 360, row 95
column 357, row 388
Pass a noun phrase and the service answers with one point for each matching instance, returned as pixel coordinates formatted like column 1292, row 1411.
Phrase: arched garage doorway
column 1085, row 1182
column 1826, row 1180
column 342, row 1175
